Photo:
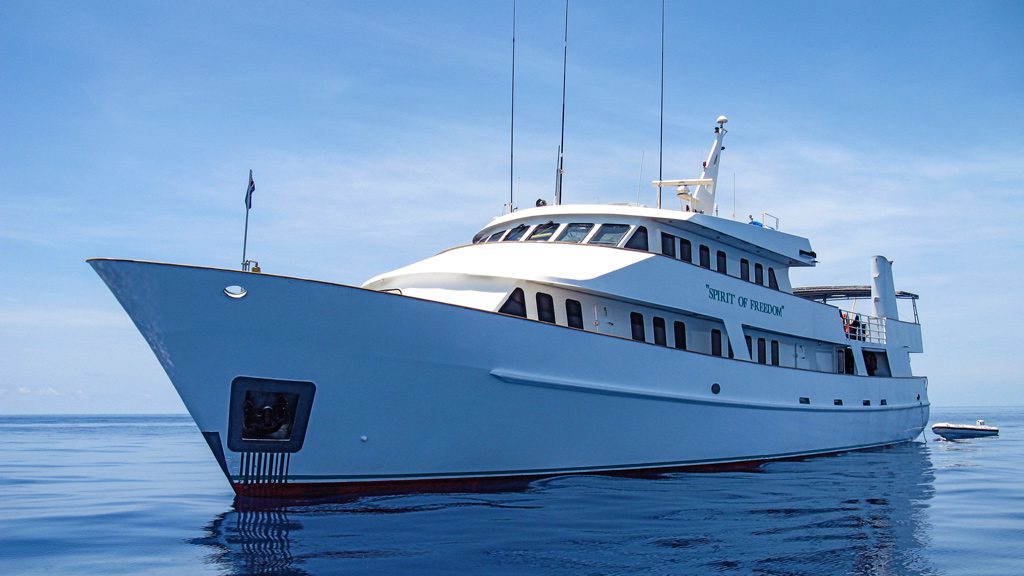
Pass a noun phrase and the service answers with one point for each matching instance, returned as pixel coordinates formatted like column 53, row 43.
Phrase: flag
column 249, row 191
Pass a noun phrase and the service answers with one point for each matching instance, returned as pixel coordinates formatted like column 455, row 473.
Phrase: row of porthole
column 716, row 388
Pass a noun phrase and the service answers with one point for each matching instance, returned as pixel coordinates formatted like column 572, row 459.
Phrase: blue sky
column 378, row 133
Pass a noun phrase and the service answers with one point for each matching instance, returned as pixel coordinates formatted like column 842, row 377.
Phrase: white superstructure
column 567, row 338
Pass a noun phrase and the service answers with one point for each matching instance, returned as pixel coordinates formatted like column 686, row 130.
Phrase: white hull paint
column 412, row 390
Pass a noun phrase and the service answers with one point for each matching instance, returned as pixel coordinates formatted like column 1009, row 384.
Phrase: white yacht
column 561, row 339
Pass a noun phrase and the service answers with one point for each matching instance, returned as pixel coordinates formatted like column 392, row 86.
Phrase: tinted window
column 495, row 237
column 515, row 305
column 745, row 269
column 610, row 234
column 759, row 274
column 516, row 233
column 761, row 351
column 716, row 342
column 574, row 314
column 545, row 308
column 773, row 283
column 639, row 239
column 722, row 264
column 636, row 322
column 659, row 332
column 574, row 233
column 705, row 256
column 750, row 346
column 775, row 352
column 668, row 245
column 685, row 250
column 680, row 333
column 543, row 232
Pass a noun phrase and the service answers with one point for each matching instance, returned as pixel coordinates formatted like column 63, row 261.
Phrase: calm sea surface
column 142, row 495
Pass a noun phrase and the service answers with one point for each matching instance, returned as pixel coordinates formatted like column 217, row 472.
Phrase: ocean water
column 142, row 495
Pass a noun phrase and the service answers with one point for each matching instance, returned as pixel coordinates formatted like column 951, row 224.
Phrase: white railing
column 863, row 327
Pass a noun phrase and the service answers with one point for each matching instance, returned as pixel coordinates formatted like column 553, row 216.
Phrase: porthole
column 235, row 292
column 716, row 388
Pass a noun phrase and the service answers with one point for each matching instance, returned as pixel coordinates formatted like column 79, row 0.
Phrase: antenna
column 512, row 129
column 561, row 145
column 661, row 119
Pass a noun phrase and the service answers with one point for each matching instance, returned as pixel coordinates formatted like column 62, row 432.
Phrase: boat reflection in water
column 858, row 512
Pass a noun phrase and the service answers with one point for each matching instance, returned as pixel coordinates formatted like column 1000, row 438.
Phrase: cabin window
column 744, row 269
column 668, row 245
column 639, row 239
column 495, row 237
column 716, row 342
column 685, row 250
column 773, row 282
column 750, row 346
column 848, row 366
column 705, row 257
column 679, row 331
column 729, row 346
column 758, row 274
column 884, row 402
column 574, row 313
column 877, row 363
column 545, row 308
column 515, row 305
column 543, row 233
column 610, row 234
column 574, row 233
column 837, row 402
column 761, row 351
column 516, row 233
column 775, row 352
column 636, row 323
column 866, row 403
column 659, row 332
column 722, row 263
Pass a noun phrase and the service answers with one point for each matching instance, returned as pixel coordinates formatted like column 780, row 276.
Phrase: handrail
column 863, row 327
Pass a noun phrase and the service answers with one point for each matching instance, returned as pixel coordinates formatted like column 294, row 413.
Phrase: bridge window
column 761, row 356
column 639, row 239
column 759, row 274
column 574, row 313
column 659, row 332
column 543, row 232
column 722, row 263
column 516, row 233
column 716, row 342
column 668, row 245
column 705, row 257
column 775, row 352
column 574, row 233
column 744, row 269
column 750, row 346
column 545, row 308
column 636, row 323
column 679, row 330
column 515, row 305
column 773, row 282
column 495, row 237
column 685, row 250
column 609, row 234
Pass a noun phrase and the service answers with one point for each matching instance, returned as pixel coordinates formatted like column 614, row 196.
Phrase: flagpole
column 249, row 189
column 245, row 241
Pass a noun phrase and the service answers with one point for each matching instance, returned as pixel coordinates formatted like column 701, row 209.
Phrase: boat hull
column 961, row 431
column 400, row 392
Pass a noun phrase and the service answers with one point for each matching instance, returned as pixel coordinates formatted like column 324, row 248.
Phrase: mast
column 512, row 128
column 704, row 193
column 561, row 145
column 661, row 117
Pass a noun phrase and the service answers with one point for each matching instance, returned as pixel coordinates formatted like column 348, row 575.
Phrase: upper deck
column 785, row 249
